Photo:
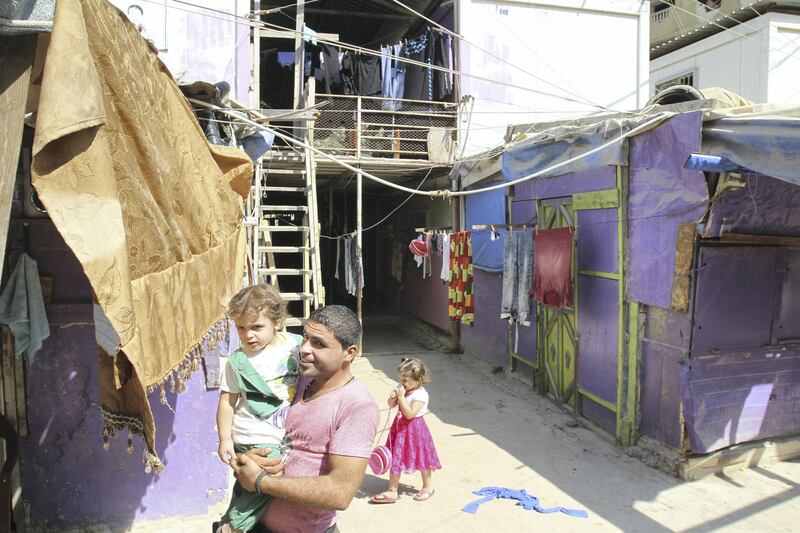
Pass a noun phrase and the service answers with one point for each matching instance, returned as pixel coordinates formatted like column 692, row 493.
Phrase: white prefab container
column 206, row 40
column 758, row 59
column 531, row 61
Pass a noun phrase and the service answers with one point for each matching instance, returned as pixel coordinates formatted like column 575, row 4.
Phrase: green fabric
column 247, row 508
column 261, row 401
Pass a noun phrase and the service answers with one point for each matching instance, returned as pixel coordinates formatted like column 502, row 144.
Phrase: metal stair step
column 285, row 271
column 284, row 208
column 284, row 249
column 275, row 229
column 283, row 171
column 293, row 321
column 297, row 296
column 271, row 188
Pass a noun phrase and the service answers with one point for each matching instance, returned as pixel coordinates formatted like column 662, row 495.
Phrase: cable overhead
column 445, row 193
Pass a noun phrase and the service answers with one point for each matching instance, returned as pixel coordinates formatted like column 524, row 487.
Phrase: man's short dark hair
column 342, row 322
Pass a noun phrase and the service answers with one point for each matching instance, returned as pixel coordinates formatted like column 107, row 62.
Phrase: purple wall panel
column 566, row 185
column 741, row 396
column 665, row 342
column 600, row 415
column 488, row 336
column 766, row 206
column 662, row 195
column 735, row 297
column 71, row 481
column 597, row 240
column 597, row 326
column 787, row 326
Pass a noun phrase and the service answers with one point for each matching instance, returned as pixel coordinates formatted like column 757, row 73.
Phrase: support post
column 299, row 55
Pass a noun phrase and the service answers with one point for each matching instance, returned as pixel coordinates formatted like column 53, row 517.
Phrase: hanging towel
column 461, row 304
column 445, row 242
column 524, row 500
column 552, row 283
column 22, row 308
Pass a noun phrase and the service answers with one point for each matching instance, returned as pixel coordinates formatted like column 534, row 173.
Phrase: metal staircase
column 286, row 238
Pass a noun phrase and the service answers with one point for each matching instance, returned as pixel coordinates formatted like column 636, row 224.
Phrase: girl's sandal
column 383, row 498
column 424, row 494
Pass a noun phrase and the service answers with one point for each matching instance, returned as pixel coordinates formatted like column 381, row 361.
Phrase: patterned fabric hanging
column 460, row 296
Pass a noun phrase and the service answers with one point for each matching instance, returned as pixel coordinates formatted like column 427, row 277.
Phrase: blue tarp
column 486, row 208
column 766, row 145
column 713, row 163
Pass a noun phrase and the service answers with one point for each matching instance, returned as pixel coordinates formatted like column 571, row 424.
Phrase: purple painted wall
column 664, row 343
column 741, row 396
column 67, row 476
column 764, row 206
column 488, row 336
column 662, row 195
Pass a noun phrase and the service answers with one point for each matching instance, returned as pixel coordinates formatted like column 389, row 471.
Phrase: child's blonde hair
column 415, row 368
column 250, row 301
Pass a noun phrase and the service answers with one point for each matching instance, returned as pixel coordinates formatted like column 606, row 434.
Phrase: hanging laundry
column 517, row 276
column 369, row 75
column 393, row 72
column 22, row 308
column 357, row 263
column 444, row 243
column 442, row 57
column 419, row 247
column 418, row 83
column 286, row 59
column 331, row 68
column 461, row 303
column 348, row 266
column 552, row 283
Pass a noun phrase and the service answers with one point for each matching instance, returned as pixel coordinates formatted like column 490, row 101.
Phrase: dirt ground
column 494, row 430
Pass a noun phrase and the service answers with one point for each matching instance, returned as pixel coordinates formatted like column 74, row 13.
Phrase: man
column 331, row 427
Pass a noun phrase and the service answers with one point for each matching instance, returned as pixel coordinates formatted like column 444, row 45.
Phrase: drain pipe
column 455, row 222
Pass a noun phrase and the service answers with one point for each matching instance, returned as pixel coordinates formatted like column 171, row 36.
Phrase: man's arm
column 334, row 490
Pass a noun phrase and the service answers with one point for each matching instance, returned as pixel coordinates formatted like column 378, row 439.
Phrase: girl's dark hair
column 415, row 368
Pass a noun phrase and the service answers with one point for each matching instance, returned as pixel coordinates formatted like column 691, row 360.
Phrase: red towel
column 552, row 281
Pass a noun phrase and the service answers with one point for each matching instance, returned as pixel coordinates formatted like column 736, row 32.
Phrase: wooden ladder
column 284, row 248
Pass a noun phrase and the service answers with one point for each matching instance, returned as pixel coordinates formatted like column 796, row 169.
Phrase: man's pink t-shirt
column 341, row 422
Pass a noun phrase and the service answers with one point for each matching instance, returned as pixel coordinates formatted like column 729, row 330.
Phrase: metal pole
column 360, row 289
column 299, row 55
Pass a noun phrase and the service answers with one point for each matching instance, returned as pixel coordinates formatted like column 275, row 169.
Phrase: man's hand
column 246, row 470
column 272, row 465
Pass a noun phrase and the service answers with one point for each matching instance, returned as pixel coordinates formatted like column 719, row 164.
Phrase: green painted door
column 558, row 326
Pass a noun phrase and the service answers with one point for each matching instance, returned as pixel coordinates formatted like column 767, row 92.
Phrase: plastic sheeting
column 566, row 141
column 26, row 16
column 486, row 208
column 768, row 145
column 663, row 195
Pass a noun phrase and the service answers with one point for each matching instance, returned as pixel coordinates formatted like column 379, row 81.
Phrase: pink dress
column 410, row 440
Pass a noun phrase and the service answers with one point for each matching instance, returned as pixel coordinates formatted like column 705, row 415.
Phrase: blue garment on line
column 524, row 499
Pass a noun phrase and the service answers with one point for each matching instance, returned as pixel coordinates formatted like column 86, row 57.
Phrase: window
column 683, row 79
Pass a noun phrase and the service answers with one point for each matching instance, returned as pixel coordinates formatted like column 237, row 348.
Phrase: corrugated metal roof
column 361, row 22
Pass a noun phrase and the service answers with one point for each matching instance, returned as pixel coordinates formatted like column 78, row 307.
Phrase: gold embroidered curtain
column 150, row 209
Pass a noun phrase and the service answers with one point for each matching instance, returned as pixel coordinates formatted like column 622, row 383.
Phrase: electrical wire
column 447, row 193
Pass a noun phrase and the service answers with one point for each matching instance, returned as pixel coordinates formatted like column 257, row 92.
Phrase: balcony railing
column 362, row 126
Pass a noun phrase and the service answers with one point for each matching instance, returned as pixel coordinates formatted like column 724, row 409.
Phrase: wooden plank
column 16, row 61
column 605, row 199
column 681, row 279
column 766, row 240
column 9, row 387
column 20, row 397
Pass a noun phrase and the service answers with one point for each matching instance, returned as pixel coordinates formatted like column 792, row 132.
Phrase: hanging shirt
column 552, row 283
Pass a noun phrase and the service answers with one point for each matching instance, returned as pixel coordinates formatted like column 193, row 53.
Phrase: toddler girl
column 409, row 438
column 257, row 386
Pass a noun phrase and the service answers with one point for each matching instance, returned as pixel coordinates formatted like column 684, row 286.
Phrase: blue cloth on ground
column 524, row 499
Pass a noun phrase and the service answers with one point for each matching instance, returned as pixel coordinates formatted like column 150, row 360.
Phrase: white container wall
column 554, row 59
column 207, row 40
column 758, row 60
